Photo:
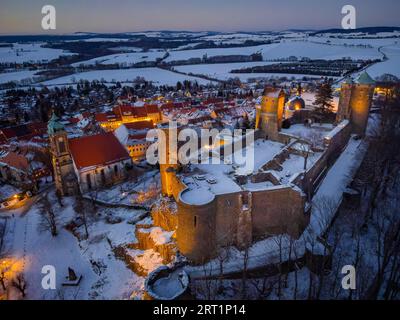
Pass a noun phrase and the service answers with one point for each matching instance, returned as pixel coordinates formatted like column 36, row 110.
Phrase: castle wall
column 314, row 175
column 278, row 210
column 203, row 229
column 227, row 215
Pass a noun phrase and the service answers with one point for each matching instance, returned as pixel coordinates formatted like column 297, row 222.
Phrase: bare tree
column 245, row 254
column 224, row 253
column 3, row 279
column 81, row 213
column 20, row 284
column 279, row 240
column 49, row 218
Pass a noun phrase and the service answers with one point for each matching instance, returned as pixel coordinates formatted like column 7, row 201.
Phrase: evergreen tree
column 324, row 98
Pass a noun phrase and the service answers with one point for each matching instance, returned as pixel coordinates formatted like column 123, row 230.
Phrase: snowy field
column 156, row 75
column 16, row 76
column 221, row 71
column 283, row 50
column 34, row 52
column 125, row 58
column 391, row 66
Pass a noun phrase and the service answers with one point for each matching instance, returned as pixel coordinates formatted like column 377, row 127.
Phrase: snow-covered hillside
column 32, row 52
column 125, row 58
column 158, row 76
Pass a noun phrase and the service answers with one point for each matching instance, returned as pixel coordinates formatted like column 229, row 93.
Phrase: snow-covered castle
column 222, row 205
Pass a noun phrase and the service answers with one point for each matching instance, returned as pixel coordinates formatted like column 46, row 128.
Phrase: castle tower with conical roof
column 64, row 174
column 355, row 102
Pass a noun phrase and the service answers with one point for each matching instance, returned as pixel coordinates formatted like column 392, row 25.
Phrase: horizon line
column 189, row 31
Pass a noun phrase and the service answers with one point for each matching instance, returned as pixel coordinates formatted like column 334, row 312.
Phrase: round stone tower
column 355, row 102
column 344, row 110
column 196, row 234
column 361, row 100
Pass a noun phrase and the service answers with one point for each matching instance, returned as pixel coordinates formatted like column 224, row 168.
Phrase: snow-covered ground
column 282, row 50
column 32, row 52
column 291, row 44
column 221, row 71
column 390, row 66
column 104, row 276
column 16, row 76
column 125, row 58
column 156, row 75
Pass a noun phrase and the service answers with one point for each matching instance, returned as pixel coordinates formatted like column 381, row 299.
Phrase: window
column 195, row 221
column 116, row 169
column 103, row 177
column 61, row 145
column 88, row 181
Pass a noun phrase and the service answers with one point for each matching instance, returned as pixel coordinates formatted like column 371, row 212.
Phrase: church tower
column 355, row 102
column 269, row 117
column 64, row 174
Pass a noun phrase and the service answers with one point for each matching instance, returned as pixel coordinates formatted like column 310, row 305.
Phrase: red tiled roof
column 25, row 131
column 73, row 120
column 16, row 160
column 96, row 150
column 152, row 108
column 105, row 117
column 127, row 110
column 139, row 125
column 123, row 110
column 140, row 111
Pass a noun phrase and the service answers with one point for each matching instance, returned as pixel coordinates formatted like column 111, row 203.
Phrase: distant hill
column 370, row 30
column 166, row 34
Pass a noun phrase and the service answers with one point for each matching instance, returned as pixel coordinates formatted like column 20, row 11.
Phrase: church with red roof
column 91, row 162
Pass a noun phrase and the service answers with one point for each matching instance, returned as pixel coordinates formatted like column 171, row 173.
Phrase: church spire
column 54, row 125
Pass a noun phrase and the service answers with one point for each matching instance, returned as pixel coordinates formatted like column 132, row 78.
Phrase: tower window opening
column 195, row 221
column 61, row 146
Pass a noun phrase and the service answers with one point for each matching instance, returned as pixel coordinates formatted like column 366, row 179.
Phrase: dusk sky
column 24, row 17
